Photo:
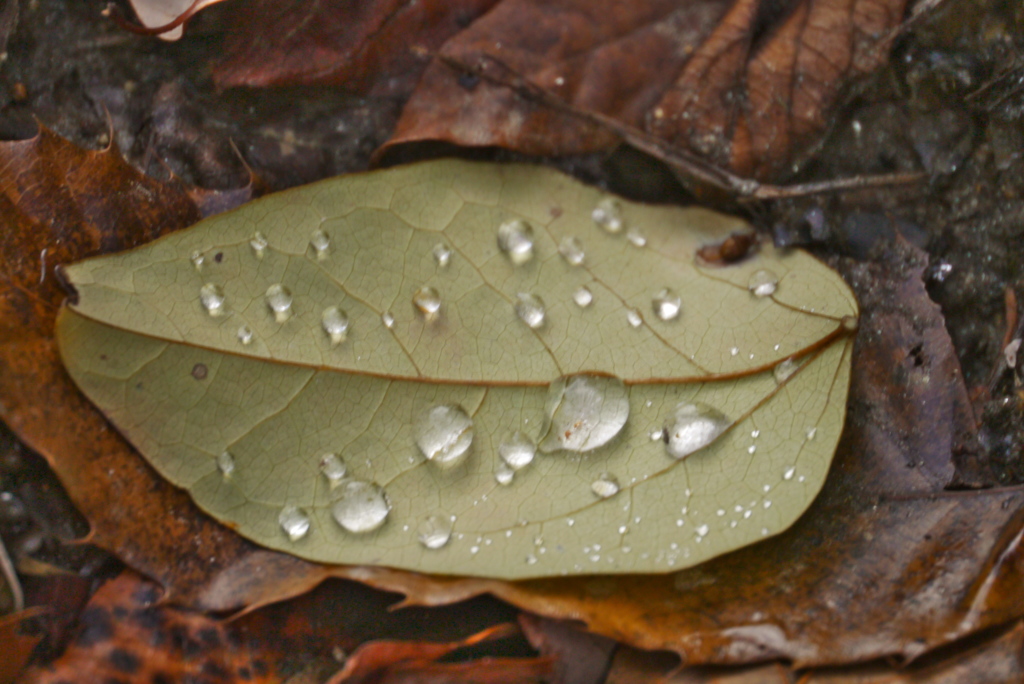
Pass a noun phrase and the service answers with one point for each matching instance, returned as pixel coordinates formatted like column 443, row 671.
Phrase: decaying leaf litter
column 917, row 355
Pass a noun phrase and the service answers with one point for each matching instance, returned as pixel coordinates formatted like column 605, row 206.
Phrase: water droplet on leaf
column 518, row 450
column 608, row 215
column 245, row 335
column 442, row 254
column 504, row 475
column 279, row 301
column 197, row 260
column 360, row 506
column 584, row 412
column 636, row 238
column 335, row 324
column 388, row 320
column 212, row 298
column 320, row 243
column 258, row 243
column 530, row 309
column 784, row 370
column 606, row 485
column 294, row 521
column 666, row 305
column 444, row 434
column 428, row 301
column 226, row 464
column 515, row 239
column 583, row 297
column 762, row 283
column 435, row 531
column 571, row 250
column 634, row 318
column 692, row 427
column 333, row 468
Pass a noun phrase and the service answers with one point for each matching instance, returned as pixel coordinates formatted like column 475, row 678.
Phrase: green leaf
column 180, row 345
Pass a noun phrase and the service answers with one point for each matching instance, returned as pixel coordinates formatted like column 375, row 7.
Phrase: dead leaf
column 580, row 657
column 167, row 18
column 17, row 645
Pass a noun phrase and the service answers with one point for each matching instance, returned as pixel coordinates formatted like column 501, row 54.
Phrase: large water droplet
column 197, row 260
column 517, row 451
column 226, row 464
column 442, row 254
column 427, row 301
column 360, row 506
column 258, row 243
column 762, row 283
column 608, row 215
column 335, row 324
column 584, row 412
column 515, row 239
column 279, row 300
column 294, row 521
column 320, row 243
column 571, row 250
column 333, row 468
column 666, row 305
column 583, row 297
column 245, row 335
column 605, row 486
column 634, row 318
column 691, row 427
column 530, row 309
column 785, row 369
column 435, row 531
column 212, row 298
column 444, row 434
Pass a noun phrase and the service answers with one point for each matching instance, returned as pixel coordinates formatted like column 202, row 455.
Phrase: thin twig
column 691, row 164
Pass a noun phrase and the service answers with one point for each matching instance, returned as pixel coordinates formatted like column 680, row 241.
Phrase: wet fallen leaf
column 484, row 431
column 17, row 645
column 748, row 85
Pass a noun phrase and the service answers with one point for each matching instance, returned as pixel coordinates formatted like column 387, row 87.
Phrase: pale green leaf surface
column 278, row 404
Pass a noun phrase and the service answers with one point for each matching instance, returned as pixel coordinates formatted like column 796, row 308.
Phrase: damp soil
column 950, row 105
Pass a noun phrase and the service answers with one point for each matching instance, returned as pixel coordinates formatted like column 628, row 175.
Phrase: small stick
column 693, row 165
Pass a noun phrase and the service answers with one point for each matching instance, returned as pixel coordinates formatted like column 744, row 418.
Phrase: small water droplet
column 767, row 504
column 584, row 412
column 608, row 215
column 702, row 530
column 666, row 305
column 517, row 451
column 583, row 297
column 811, row 432
column 692, row 427
column 444, row 434
column 258, row 243
column 636, row 238
column 656, row 435
column 279, row 301
column 784, row 370
column 388, row 320
column 515, row 239
column 762, row 283
column 530, row 309
column 570, row 522
column 634, row 318
column 788, row 475
column 734, row 351
column 751, row 449
column 197, row 260
column 212, row 298
column 606, row 485
column 435, row 531
column 571, row 250
column 531, row 559
column 442, row 254
column 755, row 433
column 427, row 301
column 474, row 550
column 320, row 242
column 245, row 335
column 747, row 514
column 504, row 475
column 226, row 464
column 333, row 468
column 294, row 521
column 335, row 324
column 360, row 506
